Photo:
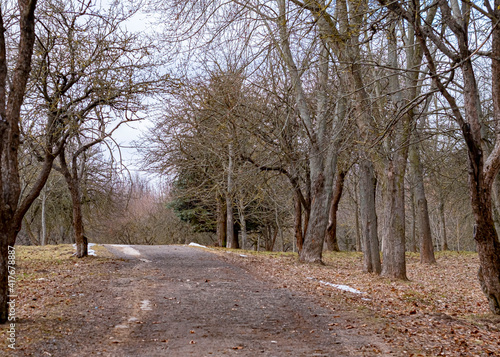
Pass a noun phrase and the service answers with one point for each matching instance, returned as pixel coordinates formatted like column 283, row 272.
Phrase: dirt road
column 185, row 301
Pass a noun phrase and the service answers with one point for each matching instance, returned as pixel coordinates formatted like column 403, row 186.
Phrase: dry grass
column 54, row 290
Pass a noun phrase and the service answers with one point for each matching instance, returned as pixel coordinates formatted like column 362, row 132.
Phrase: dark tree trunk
column 316, row 228
column 270, row 237
column 12, row 209
column 413, row 246
column 359, row 245
column 298, row 223
column 331, row 234
column 236, row 233
column 369, row 226
column 394, row 245
column 229, row 224
column 73, row 182
column 426, row 244
column 221, row 222
column 442, row 218
column 488, row 247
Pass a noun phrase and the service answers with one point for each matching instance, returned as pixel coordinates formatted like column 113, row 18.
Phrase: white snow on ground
column 126, row 249
column 90, row 251
column 342, row 287
column 197, row 245
column 146, row 305
column 339, row 286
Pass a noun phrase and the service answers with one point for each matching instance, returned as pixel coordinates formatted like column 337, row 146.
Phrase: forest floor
column 180, row 301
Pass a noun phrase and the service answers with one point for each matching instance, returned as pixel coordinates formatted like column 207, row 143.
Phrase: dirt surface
column 175, row 301
column 183, row 301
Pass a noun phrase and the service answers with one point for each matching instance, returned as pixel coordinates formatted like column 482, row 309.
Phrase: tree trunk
column 359, row 245
column 394, row 266
column 488, row 246
column 496, row 203
column 4, row 273
column 236, row 242
column 426, row 244
column 323, row 152
column 367, row 193
column 80, row 239
column 298, row 223
column 73, row 182
column 12, row 91
column 27, row 226
column 221, row 222
column 243, row 226
column 331, row 234
column 230, row 243
column 316, row 229
column 229, row 224
column 413, row 246
column 442, row 218
column 43, row 239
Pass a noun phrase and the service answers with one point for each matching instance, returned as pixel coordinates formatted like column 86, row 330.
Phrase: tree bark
column 331, row 234
column 232, row 241
column 426, row 244
column 367, row 194
column 243, row 225
column 298, row 223
column 221, row 221
column 12, row 209
column 43, row 238
column 442, row 218
column 488, row 246
column 394, row 266
column 313, row 245
column 359, row 245
column 413, row 245
column 73, row 182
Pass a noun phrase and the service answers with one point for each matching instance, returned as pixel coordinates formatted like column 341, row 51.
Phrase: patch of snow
column 146, row 305
column 197, row 245
column 342, row 287
column 145, row 260
column 243, row 255
column 126, row 249
column 89, row 251
column 121, row 326
column 339, row 286
column 133, row 319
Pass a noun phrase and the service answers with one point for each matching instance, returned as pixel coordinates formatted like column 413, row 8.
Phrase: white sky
column 128, row 133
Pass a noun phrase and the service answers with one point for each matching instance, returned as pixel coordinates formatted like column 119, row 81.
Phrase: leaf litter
column 439, row 311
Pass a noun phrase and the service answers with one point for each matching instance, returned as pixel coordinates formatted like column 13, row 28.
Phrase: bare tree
column 460, row 20
column 91, row 76
column 13, row 83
